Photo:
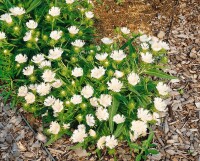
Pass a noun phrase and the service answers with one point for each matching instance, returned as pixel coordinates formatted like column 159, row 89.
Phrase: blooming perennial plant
column 95, row 94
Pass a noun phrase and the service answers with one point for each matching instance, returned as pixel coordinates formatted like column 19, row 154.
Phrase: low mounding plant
column 96, row 94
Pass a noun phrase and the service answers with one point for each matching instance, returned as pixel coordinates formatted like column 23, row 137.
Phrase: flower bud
column 32, row 78
column 106, row 63
column 67, row 103
column 131, row 105
column 83, row 106
column 80, row 33
column 74, row 59
column 48, row 18
column 45, row 37
column 110, row 73
column 5, row 51
column 77, row 50
column 63, row 93
column 79, row 117
column 90, row 58
column 29, row 45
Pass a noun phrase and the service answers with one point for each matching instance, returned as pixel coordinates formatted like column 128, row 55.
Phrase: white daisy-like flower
column 70, row 1
column 49, row 101
column 165, row 45
column 89, row 14
column 54, row 127
column 133, row 78
column 54, row 11
column 156, row 117
column 31, row 24
column 97, row 72
column 153, row 39
column 57, row 106
column 20, row 58
column 76, row 99
column 57, row 83
column 79, row 134
column 102, row 114
column 118, row 55
column 105, row 100
column 48, row 76
column 66, row 126
column 38, row 58
column 115, row 85
column 45, row 63
column 92, row 133
column 144, row 38
column 32, row 87
column 73, row 30
column 144, row 115
column 77, row 72
column 55, row 53
column 147, row 57
column 28, row 36
column 160, row 104
column 111, row 142
column 2, row 35
column 145, row 46
column 6, row 17
column 156, row 46
column 134, row 136
column 101, row 142
column 118, row 74
column 28, row 70
column 78, row 43
column 94, row 102
column 43, row 89
column 22, row 91
column 87, row 91
column 107, row 40
column 56, row 35
column 139, row 127
column 118, row 119
column 162, row 88
column 17, row 11
column 30, row 98
column 90, row 120
column 101, row 57
column 125, row 30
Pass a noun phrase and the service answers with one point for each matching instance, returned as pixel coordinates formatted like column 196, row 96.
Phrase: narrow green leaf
column 119, row 130
column 138, row 158
column 153, row 151
column 159, row 74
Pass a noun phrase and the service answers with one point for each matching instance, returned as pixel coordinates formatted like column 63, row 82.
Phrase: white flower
column 97, row 72
column 79, row 134
column 90, row 120
column 147, row 57
column 56, row 35
column 139, row 127
column 48, row 76
column 31, row 24
column 94, row 101
column 162, row 88
column 153, row 39
column 69, row 1
column 118, row 55
column 105, row 100
column 57, row 106
column 32, row 87
column 145, row 46
column 22, row 91
column 160, row 104
column 30, row 98
column 144, row 115
column 43, row 89
column 45, row 63
column 134, row 136
column 156, row 46
column 102, row 113
column 156, row 117
column 28, row 70
column 115, row 85
column 78, row 43
column 165, row 45
column 54, row 127
column 87, row 91
column 2, row 35
column 77, row 72
column 107, row 40
column 73, row 30
column 49, row 101
column 125, row 30
column 118, row 74
column 101, row 57
column 89, row 14
column 118, row 119
column 101, row 142
column 92, row 133
column 145, row 38
column 111, row 142
column 17, row 11
column 38, row 58
column 55, row 53
column 133, row 78
column 57, row 83
column 20, row 58
column 54, row 11
column 6, row 17
column 28, row 36
column 66, row 126
column 76, row 99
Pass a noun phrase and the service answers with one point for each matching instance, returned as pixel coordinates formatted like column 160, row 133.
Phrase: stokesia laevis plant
column 96, row 94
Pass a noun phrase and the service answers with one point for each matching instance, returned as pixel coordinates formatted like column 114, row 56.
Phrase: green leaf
column 79, row 145
column 138, row 158
column 159, row 74
column 119, row 130
column 33, row 5
column 112, row 111
column 153, row 151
